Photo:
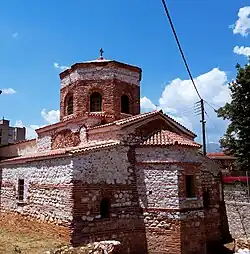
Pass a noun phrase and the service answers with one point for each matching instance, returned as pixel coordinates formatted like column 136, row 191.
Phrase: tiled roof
column 98, row 146
column 136, row 117
column 215, row 154
column 127, row 119
column 37, row 155
column 98, row 62
column 166, row 138
column 59, row 152
column 219, row 155
column 100, row 59
column 132, row 119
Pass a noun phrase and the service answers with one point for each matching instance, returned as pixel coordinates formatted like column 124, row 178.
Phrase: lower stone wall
column 238, row 209
column 162, row 232
column 175, row 232
column 47, row 190
column 213, row 224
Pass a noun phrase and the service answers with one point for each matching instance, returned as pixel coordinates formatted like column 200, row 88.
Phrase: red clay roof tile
column 165, row 138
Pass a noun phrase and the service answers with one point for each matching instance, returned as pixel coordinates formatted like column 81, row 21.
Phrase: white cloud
column 242, row 25
column 61, row 67
column 147, row 104
column 179, row 97
column 51, row 116
column 8, row 91
column 30, row 130
column 14, row 35
column 245, row 51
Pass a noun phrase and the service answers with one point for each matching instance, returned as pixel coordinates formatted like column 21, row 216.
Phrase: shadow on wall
column 225, row 232
column 107, row 211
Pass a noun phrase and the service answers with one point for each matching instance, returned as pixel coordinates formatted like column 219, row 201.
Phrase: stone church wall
column 171, row 219
column 238, row 209
column 47, row 190
column 145, row 188
column 107, row 174
column 68, row 192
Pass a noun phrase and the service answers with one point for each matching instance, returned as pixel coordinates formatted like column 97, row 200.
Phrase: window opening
column 190, row 186
column 70, row 105
column 95, row 102
column 20, row 189
column 104, row 208
column 125, row 104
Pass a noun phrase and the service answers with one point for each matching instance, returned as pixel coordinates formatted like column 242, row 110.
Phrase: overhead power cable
column 217, row 129
column 201, row 102
column 210, row 105
column 179, row 46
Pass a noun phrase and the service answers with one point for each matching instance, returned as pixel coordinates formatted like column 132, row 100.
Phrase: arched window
column 104, row 208
column 125, row 104
column 70, row 105
column 95, row 102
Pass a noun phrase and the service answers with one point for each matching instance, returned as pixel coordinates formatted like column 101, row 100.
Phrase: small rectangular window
column 20, row 189
column 190, row 186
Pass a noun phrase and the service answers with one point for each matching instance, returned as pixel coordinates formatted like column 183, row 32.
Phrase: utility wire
column 211, row 106
column 189, row 109
column 212, row 122
column 179, row 46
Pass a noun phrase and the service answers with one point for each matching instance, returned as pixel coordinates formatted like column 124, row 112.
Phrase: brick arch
column 65, row 138
column 95, row 90
column 66, row 98
column 130, row 101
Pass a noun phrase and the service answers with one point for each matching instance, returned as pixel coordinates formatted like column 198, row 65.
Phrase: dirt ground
column 22, row 242
column 25, row 238
column 21, row 237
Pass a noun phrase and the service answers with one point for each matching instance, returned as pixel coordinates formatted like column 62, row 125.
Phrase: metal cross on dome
column 101, row 52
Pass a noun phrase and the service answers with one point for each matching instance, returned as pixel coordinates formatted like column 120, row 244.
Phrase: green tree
column 236, row 140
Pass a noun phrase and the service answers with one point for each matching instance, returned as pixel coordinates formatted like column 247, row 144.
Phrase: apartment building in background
column 10, row 135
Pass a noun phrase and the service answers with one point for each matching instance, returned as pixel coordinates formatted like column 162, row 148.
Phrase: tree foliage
column 236, row 140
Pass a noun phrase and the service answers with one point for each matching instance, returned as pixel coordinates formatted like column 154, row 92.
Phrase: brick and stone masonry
column 237, row 202
column 105, row 174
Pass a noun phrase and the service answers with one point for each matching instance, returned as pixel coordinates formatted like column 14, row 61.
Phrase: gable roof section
column 144, row 116
column 166, row 138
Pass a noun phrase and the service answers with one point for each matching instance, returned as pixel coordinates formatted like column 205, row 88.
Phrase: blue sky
column 34, row 35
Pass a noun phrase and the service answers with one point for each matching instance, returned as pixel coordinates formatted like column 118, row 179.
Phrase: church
column 106, row 171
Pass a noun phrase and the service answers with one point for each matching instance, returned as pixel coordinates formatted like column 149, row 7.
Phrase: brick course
column 111, row 91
